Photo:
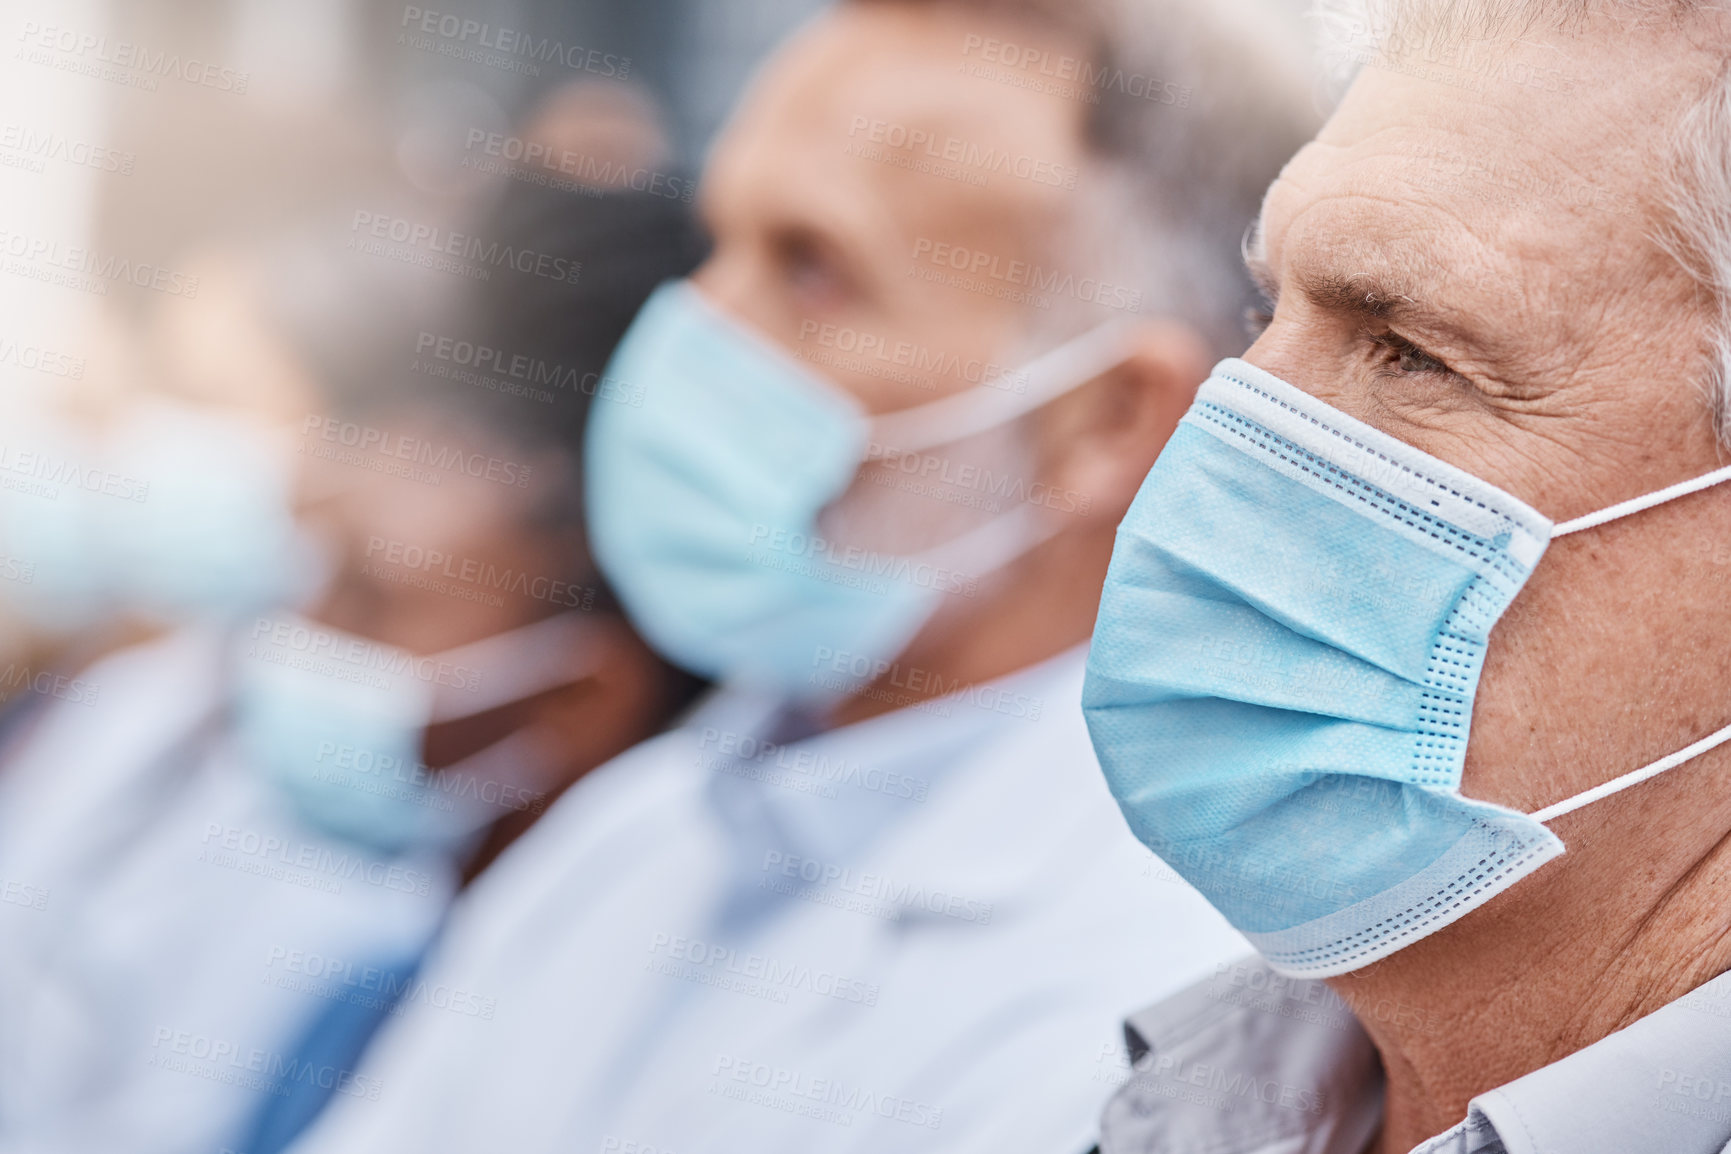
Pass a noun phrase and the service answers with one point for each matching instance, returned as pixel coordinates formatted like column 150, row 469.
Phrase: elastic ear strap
column 525, row 661
column 995, row 544
column 1637, row 504
column 1046, row 378
column 1636, row 777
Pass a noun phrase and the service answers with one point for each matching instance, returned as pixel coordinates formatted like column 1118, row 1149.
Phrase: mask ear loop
column 995, row 544
column 1690, row 753
column 516, row 664
column 1043, row 379
column 514, row 761
column 1063, row 370
column 1640, row 504
column 1635, row 777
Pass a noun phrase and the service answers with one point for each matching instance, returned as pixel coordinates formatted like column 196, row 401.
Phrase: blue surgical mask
column 1282, row 675
column 179, row 512
column 337, row 723
column 706, row 479
column 215, row 535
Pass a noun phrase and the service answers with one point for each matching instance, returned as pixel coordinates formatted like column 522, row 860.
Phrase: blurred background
column 303, row 308
column 183, row 186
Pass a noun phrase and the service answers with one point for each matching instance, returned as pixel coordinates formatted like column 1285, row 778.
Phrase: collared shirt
column 718, row 944
column 168, row 929
column 1249, row 1062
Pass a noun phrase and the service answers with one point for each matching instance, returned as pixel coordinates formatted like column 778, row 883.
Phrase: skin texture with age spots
column 1551, row 350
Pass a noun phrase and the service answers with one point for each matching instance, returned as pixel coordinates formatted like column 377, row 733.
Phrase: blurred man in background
column 253, row 831
column 873, row 896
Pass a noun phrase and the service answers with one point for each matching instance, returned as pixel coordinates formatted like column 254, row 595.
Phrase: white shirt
column 182, row 928
column 914, row 933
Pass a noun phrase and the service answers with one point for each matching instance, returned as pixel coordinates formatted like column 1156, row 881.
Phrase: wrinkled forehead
column 1581, row 122
column 1482, row 173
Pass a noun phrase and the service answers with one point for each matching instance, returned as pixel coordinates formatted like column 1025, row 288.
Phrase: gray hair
column 1697, row 187
column 1195, row 108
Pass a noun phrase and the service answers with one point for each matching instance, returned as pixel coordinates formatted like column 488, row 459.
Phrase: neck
column 1513, row 987
column 1035, row 608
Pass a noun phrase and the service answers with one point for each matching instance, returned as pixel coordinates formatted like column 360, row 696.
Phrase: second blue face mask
column 706, row 477
column 1283, row 671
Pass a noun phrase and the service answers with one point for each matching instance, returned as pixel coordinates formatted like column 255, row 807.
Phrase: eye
column 812, row 271
column 1406, row 357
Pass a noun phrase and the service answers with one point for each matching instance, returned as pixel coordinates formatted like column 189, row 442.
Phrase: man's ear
column 1104, row 437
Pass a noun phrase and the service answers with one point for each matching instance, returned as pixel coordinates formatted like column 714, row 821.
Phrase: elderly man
column 1501, row 279
column 966, row 279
